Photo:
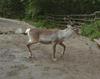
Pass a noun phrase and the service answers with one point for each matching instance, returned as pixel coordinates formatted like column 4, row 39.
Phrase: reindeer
column 49, row 36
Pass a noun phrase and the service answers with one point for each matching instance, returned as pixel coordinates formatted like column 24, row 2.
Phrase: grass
column 44, row 24
column 41, row 22
column 91, row 30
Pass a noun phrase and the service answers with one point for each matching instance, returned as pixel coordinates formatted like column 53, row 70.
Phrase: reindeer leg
column 28, row 46
column 64, row 48
column 30, row 52
column 54, row 51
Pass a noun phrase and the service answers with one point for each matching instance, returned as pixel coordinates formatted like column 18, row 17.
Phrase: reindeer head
column 75, row 28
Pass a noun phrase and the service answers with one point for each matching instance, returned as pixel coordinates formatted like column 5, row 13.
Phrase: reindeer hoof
column 61, row 56
column 54, row 59
column 30, row 57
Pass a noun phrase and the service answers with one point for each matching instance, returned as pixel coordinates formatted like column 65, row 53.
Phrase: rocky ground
column 81, row 60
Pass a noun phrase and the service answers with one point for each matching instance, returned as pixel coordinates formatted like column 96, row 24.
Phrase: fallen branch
column 97, row 41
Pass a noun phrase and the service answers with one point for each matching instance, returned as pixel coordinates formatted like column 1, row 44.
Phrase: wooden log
column 97, row 41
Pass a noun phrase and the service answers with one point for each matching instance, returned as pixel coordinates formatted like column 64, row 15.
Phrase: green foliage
column 44, row 24
column 97, row 23
column 12, row 8
column 91, row 30
column 29, row 9
column 36, row 7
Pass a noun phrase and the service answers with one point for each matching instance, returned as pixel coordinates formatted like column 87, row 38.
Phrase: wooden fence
column 61, row 20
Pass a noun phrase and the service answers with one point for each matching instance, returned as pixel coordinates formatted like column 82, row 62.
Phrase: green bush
column 97, row 23
column 12, row 9
column 44, row 24
column 91, row 30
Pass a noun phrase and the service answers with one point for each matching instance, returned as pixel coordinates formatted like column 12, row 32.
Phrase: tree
column 12, row 8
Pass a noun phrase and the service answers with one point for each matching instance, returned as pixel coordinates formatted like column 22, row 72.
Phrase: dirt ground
column 81, row 60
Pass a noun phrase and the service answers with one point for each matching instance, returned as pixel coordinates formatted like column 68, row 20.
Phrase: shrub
column 44, row 24
column 91, row 30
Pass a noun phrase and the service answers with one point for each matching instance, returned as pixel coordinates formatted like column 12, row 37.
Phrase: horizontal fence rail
column 79, row 18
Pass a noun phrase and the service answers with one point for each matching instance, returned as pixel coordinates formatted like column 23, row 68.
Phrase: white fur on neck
column 66, row 33
column 27, row 30
column 28, row 33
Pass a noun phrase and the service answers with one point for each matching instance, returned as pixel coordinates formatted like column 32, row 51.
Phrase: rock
column 19, row 31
